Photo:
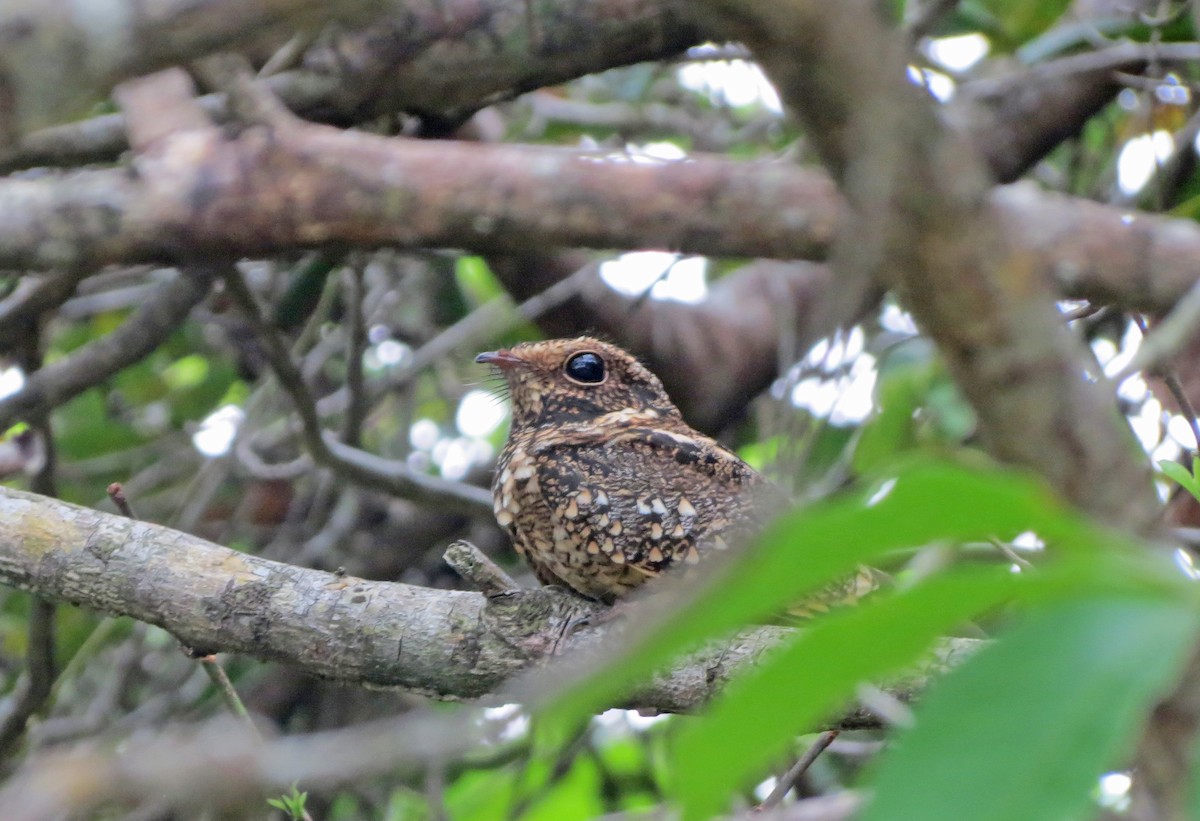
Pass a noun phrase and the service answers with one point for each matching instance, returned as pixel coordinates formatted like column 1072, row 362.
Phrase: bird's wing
column 650, row 498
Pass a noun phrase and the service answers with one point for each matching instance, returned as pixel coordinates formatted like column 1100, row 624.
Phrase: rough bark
column 468, row 54
column 444, row 643
column 200, row 193
column 59, row 58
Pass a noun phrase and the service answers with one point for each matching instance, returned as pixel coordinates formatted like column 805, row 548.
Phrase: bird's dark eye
column 587, row 368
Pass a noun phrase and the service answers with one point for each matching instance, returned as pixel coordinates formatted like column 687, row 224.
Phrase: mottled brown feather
column 603, row 486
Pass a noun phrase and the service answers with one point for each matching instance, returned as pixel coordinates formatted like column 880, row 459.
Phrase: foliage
column 1078, row 635
column 1186, row 479
column 292, row 803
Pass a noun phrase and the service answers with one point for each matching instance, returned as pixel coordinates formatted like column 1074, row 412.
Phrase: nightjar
column 601, row 484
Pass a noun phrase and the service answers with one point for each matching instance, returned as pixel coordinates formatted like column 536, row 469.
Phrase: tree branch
column 140, row 334
column 390, row 476
column 922, row 222
column 444, row 643
column 60, row 58
column 205, row 194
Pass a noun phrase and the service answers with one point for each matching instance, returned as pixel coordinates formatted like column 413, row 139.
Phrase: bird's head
column 561, row 381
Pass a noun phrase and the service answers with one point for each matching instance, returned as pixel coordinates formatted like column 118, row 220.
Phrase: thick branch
column 59, row 57
column 922, row 222
column 313, row 186
column 445, row 643
column 446, row 64
column 712, row 356
column 271, row 190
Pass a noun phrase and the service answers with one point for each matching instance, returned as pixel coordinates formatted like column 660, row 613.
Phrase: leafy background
column 1081, row 629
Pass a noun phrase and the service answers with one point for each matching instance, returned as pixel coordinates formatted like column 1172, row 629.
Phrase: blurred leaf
column 481, row 794
column 403, row 805
column 1189, row 208
column 306, row 282
column 186, row 372
column 786, row 695
column 890, row 430
column 346, row 807
column 1024, row 729
column 633, row 82
column 574, row 796
column 449, row 302
column 1184, row 477
column 625, row 756
column 919, row 504
column 1010, row 23
column 83, row 427
column 952, row 418
column 476, row 280
column 759, row 455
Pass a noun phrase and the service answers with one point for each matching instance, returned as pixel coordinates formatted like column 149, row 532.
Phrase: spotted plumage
column 601, row 484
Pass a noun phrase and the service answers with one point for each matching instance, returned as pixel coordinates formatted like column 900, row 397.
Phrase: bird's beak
column 502, row 359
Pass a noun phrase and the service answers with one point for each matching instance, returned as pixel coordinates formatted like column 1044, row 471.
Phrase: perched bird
column 601, row 484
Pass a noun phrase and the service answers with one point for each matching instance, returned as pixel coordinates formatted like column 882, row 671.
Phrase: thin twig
column 31, row 297
column 1011, row 554
column 1083, row 311
column 116, row 492
column 1169, row 336
column 387, row 475
column 90, row 365
column 38, row 681
column 469, row 562
column 209, row 662
column 493, row 318
column 356, row 347
column 885, row 706
column 1181, row 398
column 289, row 54
column 37, row 684
column 217, row 675
column 785, row 784
column 927, row 16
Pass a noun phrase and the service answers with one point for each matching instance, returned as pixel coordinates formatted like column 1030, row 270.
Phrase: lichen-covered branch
column 445, row 643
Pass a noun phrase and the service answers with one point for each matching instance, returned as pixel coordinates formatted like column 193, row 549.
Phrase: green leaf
column 1024, row 729
column 481, row 794
column 890, row 431
column 1013, row 22
column 807, row 549
column 575, row 796
column 476, row 279
column 752, row 724
column 1176, row 471
column 185, row 372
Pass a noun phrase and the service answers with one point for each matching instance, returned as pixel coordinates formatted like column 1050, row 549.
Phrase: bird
column 601, row 484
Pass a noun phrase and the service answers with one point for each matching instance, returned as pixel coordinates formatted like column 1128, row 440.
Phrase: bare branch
column 484, row 575
column 38, row 680
column 60, row 58
column 140, row 334
column 33, row 296
column 355, row 465
column 342, row 188
column 446, row 643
